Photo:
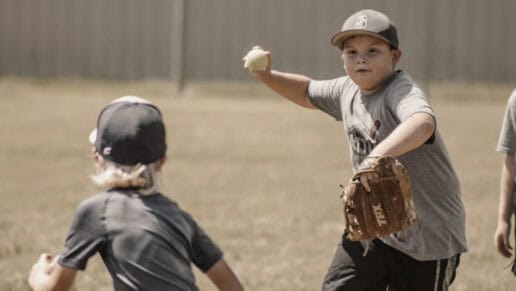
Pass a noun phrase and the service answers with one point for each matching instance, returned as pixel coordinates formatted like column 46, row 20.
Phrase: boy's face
column 368, row 61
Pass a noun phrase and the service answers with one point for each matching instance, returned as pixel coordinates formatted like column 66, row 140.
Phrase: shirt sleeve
column 325, row 95
column 205, row 253
column 86, row 235
column 507, row 139
column 407, row 101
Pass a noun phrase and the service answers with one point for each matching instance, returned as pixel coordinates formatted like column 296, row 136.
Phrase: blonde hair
column 144, row 178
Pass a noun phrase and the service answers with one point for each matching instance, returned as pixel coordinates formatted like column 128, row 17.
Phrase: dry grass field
column 259, row 174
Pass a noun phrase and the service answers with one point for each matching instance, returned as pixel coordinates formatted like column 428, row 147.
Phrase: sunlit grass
column 259, row 174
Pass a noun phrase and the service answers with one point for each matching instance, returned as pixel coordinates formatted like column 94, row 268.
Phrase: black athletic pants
column 385, row 268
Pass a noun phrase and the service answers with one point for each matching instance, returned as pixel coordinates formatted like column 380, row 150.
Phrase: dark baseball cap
column 129, row 131
column 367, row 22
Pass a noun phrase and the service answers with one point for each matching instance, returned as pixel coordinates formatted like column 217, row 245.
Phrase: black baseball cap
column 129, row 131
column 367, row 22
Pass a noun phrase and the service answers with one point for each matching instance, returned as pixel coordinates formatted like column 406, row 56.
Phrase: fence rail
column 192, row 40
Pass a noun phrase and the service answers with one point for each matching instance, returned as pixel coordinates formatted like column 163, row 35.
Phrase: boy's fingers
column 365, row 182
column 508, row 248
column 47, row 260
column 503, row 246
column 44, row 257
column 366, row 177
column 54, row 261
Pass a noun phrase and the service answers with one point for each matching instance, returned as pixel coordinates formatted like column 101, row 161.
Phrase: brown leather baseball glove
column 387, row 208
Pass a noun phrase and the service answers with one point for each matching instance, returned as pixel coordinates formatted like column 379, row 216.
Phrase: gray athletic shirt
column 368, row 120
column 507, row 139
column 146, row 242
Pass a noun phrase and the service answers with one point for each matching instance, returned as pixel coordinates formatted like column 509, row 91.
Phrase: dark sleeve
column 325, row 95
column 205, row 253
column 86, row 235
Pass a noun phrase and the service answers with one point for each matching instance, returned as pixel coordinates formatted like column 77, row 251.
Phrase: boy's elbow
column 425, row 126
column 429, row 125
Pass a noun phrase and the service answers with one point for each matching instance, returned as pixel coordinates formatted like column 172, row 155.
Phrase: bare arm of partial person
column 503, row 230
column 409, row 135
column 47, row 275
column 291, row 86
column 223, row 277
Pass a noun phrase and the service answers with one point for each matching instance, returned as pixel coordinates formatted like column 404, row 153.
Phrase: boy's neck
column 385, row 80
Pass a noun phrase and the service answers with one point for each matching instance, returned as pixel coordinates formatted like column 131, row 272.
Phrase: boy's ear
column 396, row 56
column 95, row 155
column 162, row 162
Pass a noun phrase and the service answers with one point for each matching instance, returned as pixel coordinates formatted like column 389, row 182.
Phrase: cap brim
column 93, row 136
column 338, row 39
column 132, row 99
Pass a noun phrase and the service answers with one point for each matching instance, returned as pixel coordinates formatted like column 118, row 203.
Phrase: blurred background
column 259, row 174
column 200, row 40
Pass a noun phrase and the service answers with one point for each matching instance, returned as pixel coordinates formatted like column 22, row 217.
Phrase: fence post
column 178, row 45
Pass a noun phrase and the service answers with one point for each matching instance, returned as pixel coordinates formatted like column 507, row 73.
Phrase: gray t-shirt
column 507, row 139
column 368, row 120
column 146, row 242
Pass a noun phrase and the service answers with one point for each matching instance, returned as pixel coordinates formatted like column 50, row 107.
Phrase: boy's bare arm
column 223, row 277
column 291, row 86
column 505, row 211
column 48, row 275
column 409, row 135
column 507, row 187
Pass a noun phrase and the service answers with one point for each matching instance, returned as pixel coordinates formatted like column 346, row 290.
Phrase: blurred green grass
column 259, row 174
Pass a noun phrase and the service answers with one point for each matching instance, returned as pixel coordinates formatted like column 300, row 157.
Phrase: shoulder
column 337, row 84
column 512, row 99
column 166, row 206
column 345, row 83
column 92, row 204
column 90, row 212
column 94, row 200
column 343, row 80
column 404, row 90
column 183, row 217
column 403, row 84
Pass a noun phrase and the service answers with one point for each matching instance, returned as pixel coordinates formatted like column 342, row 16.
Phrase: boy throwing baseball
column 145, row 240
column 385, row 113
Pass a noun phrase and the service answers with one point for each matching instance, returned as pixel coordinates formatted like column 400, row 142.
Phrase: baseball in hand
column 256, row 59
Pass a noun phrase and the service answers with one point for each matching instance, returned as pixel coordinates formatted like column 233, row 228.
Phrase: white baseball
column 256, row 59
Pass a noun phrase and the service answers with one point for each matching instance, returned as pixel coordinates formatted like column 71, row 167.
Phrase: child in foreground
column 145, row 240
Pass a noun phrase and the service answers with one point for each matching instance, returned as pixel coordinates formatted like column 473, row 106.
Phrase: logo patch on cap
column 106, row 151
column 361, row 21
